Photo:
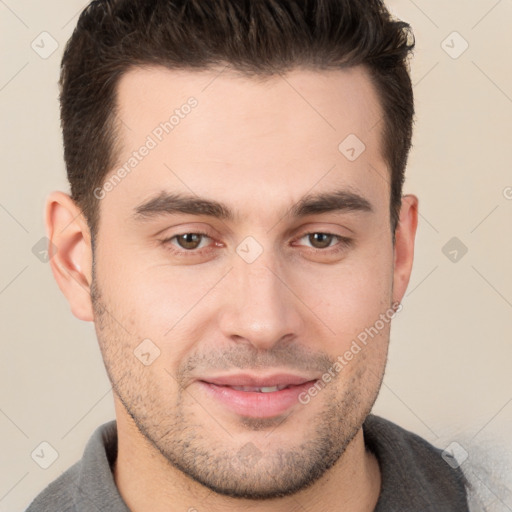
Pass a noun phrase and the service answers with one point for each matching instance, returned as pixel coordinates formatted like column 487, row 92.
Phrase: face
column 242, row 250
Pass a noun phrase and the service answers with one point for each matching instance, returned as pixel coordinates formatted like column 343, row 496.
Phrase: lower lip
column 255, row 404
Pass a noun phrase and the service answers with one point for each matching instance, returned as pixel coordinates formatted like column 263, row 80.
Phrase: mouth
column 257, row 397
column 263, row 389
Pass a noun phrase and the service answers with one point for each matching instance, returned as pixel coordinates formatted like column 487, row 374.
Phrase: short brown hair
column 255, row 37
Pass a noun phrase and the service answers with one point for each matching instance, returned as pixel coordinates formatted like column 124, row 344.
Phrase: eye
column 322, row 241
column 187, row 241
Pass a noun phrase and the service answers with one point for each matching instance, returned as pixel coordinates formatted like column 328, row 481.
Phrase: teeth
column 268, row 389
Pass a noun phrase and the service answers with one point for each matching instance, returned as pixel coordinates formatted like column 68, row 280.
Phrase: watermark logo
column 454, row 250
column 249, row 249
column 352, row 147
column 146, row 352
column 249, row 454
column 44, row 455
column 454, row 455
column 44, row 250
column 44, row 45
column 454, row 45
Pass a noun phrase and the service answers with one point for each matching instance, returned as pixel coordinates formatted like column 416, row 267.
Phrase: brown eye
column 189, row 240
column 321, row 240
column 190, row 245
column 325, row 243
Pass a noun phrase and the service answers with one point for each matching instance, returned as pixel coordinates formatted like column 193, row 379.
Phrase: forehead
column 217, row 133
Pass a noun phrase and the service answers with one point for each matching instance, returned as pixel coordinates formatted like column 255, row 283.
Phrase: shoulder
column 89, row 477
column 415, row 474
column 58, row 495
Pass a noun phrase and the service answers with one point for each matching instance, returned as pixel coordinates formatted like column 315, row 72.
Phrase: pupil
column 323, row 238
column 189, row 240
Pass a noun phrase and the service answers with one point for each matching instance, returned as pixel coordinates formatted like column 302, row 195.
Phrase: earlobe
column 70, row 252
column 404, row 245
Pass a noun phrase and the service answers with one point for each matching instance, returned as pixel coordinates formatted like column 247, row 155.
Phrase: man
column 237, row 233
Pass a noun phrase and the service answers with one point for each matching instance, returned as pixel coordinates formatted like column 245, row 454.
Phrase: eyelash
column 343, row 243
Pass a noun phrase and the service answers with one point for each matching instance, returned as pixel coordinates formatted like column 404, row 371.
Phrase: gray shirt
column 414, row 475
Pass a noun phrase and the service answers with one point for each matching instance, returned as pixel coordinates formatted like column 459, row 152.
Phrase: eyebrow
column 175, row 203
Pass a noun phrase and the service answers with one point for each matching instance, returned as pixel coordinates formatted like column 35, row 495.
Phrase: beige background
column 449, row 376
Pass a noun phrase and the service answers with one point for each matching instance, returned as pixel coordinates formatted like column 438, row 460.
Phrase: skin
column 258, row 147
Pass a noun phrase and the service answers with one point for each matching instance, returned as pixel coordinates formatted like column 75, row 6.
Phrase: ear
column 404, row 245
column 70, row 252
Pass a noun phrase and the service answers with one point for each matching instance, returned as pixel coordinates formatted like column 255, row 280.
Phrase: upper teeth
column 268, row 389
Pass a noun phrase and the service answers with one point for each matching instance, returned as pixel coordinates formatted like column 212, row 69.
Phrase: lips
column 257, row 396
column 245, row 380
column 260, row 389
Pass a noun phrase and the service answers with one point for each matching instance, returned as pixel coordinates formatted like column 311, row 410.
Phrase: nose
column 260, row 307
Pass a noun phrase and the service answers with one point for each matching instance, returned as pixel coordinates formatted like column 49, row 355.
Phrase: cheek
column 160, row 302
column 349, row 300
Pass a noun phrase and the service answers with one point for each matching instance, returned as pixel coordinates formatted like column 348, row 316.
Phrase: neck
column 147, row 482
